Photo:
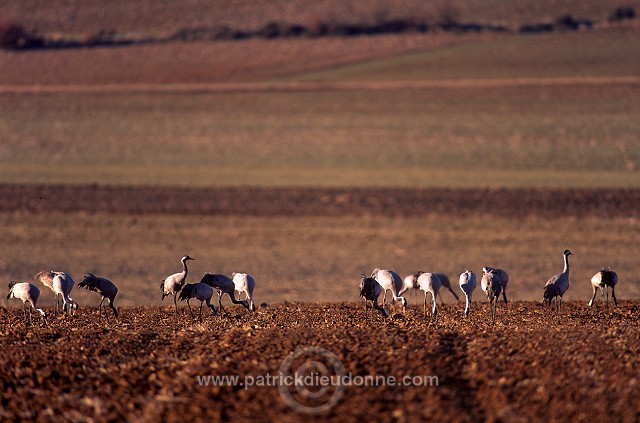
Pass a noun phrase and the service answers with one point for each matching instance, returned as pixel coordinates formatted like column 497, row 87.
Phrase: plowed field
column 151, row 365
column 247, row 201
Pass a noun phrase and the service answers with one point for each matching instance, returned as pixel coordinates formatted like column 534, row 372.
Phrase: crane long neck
column 184, row 266
column 232, row 295
column 566, row 264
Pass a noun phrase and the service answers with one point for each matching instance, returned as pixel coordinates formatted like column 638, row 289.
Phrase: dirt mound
column 152, row 365
column 293, row 201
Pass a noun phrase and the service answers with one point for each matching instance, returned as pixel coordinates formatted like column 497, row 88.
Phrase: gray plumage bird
column 104, row 287
column 504, row 279
column 370, row 290
column 446, row 283
column 604, row 279
column 492, row 286
column 200, row 291
column 558, row 285
column 28, row 293
column 223, row 285
column 173, row 284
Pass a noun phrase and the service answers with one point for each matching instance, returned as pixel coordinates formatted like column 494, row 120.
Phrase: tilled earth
column 314, row 201
column 148, row 365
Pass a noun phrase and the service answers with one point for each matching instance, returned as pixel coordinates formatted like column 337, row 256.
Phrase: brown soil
column 145, row 366
column 206, row 62
column 246, row 201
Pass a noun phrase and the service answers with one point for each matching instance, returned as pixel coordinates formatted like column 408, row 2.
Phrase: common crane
column 173, row 284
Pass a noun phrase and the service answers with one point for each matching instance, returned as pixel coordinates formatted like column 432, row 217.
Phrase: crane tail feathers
column 550, row 291
column 88, row 285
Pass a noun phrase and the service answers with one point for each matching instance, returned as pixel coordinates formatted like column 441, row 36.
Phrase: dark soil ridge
column 14, row 36
column 319, row 201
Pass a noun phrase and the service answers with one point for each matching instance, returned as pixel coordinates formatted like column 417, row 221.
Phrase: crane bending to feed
column 430, row 284
column 103, row 287
column 604, row 279
column 224, row 285
column 62, row 286
column 27, row 292
column 370, row 290
column 45, row 277
column 411, row 281
column 389, row 281
column 245, row 283
column 468, row 285
column 200, row 291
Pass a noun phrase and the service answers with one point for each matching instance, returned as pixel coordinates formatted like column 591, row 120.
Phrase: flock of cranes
column 493, row 283
column 175, row 285
column 203, row 291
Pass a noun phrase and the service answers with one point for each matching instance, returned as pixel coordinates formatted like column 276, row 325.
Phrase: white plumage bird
column 467, row 285
column 62, row 285
column 411, row 281
column 245, row 283
column 389, row 281
column 430, row 284
column 28, row 293
column 46, row 279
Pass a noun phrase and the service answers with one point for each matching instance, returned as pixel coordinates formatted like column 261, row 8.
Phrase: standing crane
column 173, row 284
column 557, row 285
column 504, row 279
column 492, row 286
